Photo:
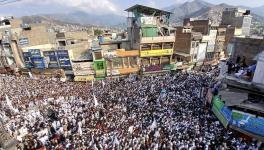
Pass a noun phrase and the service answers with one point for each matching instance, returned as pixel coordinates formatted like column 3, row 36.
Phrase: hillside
column 202, row 10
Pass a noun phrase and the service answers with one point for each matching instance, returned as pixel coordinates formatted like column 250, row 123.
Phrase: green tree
column 98, row 32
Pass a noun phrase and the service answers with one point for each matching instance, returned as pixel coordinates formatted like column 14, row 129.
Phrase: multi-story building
column 220, row 43
column 188, row 45
column 238, row 102
column 209, row 33
column 237, row 22
column 247, row 47
column 238, row 18
column 149, row 31
column 77, row 42
column 9, row 54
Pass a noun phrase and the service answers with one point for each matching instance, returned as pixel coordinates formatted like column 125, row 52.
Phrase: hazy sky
column 29, row 7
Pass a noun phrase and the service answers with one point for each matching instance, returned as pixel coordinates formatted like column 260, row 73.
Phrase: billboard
column 27, row 60
column 159, row 52
column 248, row 123
column 221, row 111
column 38, row 62
column 64, row 59
column 148, row 21
column 35, row 52
column 23, row 41
column 82, row 68
column 52, row 59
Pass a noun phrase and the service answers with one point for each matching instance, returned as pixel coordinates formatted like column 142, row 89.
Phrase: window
column 126, row 63
column 117, row 63
column 193, row 44
column 133, row 61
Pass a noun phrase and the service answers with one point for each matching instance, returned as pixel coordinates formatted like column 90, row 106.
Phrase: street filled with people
column 153, row 112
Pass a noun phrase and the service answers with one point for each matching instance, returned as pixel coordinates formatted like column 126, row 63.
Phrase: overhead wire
column 5, row 2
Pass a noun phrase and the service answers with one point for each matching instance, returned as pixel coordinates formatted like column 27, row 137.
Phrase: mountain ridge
column 194, row 9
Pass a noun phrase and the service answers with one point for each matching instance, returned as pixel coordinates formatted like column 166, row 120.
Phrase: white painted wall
column 259, row 73
column 201, row 52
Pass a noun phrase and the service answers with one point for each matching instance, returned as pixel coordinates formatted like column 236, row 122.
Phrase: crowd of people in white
column 149, row 113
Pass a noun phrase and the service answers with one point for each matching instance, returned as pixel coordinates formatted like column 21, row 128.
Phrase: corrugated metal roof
column 147, row 10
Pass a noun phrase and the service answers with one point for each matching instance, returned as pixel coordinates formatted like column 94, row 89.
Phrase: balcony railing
column 159, row 39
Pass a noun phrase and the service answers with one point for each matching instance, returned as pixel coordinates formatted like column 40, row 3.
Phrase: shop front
column 156, row 60
column 121, row 62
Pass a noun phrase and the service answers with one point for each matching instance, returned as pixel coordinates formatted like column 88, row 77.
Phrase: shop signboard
column 64, row 59
column 52, row 59
column 218, row 105
column 27, row 59
column 248, row 123
column 113, row 72
column 227, row 113
column 23, row 41
column 100, row 68
column 159, row 52
column 148, row 21
column 219, row 116
column 82, row 68
column 84, row 78
column 35, row 52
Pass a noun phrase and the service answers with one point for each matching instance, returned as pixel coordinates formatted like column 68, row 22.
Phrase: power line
column 5, row 2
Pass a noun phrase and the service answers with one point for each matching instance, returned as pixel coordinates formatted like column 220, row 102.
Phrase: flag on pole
column 95, row 101
column 153, row 125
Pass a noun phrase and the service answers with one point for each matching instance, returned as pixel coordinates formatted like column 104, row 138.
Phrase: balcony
column 159, row 39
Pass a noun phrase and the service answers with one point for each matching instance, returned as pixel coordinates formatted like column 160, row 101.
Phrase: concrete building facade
column 248, row 47
column 149, row 31
column 9, row 54
column 238, row 18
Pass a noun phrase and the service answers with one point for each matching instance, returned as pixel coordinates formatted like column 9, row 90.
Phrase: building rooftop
column 147, row 10
column 239, row 99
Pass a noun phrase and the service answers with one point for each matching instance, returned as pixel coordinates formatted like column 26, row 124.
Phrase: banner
column 23, row 41
column 52, row 57
column 159, row 52
column 84, row 78
column 27, row 60
column 217, row 109
column 220, row 116
column 82, row 68
column 64, row 59
column 38, row 62
column 35, row 52
column 248, row 123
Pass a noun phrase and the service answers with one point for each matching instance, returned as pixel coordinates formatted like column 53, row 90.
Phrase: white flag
column 116, row 142
column 95, row 101
column 9, row 104
column 153, row 125
column 92, row 84
column 30, row 75
column 28, row 93
column 131, row 129
column 103, row 83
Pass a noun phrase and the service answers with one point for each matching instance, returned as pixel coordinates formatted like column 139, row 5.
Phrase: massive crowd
column 153, row 112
